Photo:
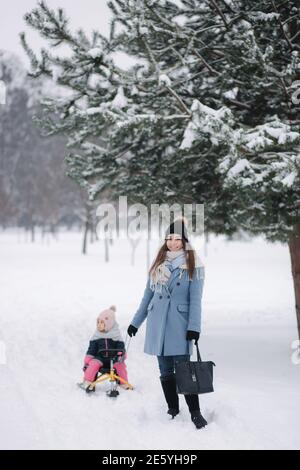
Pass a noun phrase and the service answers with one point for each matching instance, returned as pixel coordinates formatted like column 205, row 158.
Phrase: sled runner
column 108, row 372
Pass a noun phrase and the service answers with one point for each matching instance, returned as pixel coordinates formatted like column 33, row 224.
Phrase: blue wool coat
column 171, row 312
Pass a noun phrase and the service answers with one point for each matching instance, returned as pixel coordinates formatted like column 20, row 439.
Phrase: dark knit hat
column 178, row 227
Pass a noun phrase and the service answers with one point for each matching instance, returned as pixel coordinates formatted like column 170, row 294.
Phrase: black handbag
column 194, row 377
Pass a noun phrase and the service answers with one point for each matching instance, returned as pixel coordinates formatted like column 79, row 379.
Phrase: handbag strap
column 198, row 352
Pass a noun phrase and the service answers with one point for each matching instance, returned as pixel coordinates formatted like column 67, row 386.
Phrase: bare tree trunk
column 148, row 261
column 86, row 229
column 106, row 246
column 88, row 225
column 134, row 243
column 206, row 240
column 294, row 247
column 92, row 234
column 32, row 231
column 53, row 230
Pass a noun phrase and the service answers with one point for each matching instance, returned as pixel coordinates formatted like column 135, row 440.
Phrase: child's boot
column 84, row 385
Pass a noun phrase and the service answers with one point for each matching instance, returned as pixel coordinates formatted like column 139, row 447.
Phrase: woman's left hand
column 190, row 335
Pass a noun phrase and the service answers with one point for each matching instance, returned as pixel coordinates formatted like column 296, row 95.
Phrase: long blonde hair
column 161, row 256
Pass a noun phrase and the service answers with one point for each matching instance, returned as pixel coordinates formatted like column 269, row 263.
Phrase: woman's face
column 174, row 242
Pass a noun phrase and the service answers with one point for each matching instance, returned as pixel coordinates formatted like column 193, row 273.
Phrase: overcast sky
column 86, row 14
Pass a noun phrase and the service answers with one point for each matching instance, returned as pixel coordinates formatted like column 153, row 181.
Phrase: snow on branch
column 216, row 125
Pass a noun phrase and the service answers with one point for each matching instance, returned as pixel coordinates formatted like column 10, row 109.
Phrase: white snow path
column 50, row 296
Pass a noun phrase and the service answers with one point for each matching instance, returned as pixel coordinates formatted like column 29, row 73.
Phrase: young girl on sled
column 106, row 336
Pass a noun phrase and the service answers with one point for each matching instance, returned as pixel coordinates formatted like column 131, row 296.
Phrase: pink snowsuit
column 94, row 366
column 106, row 336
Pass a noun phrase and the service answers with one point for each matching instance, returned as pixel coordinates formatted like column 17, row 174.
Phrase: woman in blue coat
column 172, row 305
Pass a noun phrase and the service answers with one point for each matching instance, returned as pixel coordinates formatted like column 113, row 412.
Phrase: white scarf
column 174, row 259
column 114, row 333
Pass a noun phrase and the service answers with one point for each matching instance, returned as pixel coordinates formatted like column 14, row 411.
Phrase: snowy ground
column 50, row 296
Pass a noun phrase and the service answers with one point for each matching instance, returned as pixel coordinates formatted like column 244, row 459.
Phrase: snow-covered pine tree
column 126, row 130
column 166, row 82
column 242, row 104
column 254, row 84
column 88, row 80
column 225, row 56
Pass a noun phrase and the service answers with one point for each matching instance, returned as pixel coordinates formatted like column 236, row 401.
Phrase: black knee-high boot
column 168, row 383
column 194, row 408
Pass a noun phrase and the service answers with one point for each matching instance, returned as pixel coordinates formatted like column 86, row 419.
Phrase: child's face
column 105, row 321
column 101, row 325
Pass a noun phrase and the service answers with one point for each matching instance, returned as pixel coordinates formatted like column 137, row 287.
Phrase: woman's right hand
column 132, row 330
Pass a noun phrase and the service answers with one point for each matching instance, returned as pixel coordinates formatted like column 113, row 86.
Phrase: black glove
column 132, row 330
column 190, row 335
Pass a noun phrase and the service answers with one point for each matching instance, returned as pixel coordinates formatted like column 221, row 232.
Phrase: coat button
column 160, row 296
column 168, row 296
column 178, row 283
